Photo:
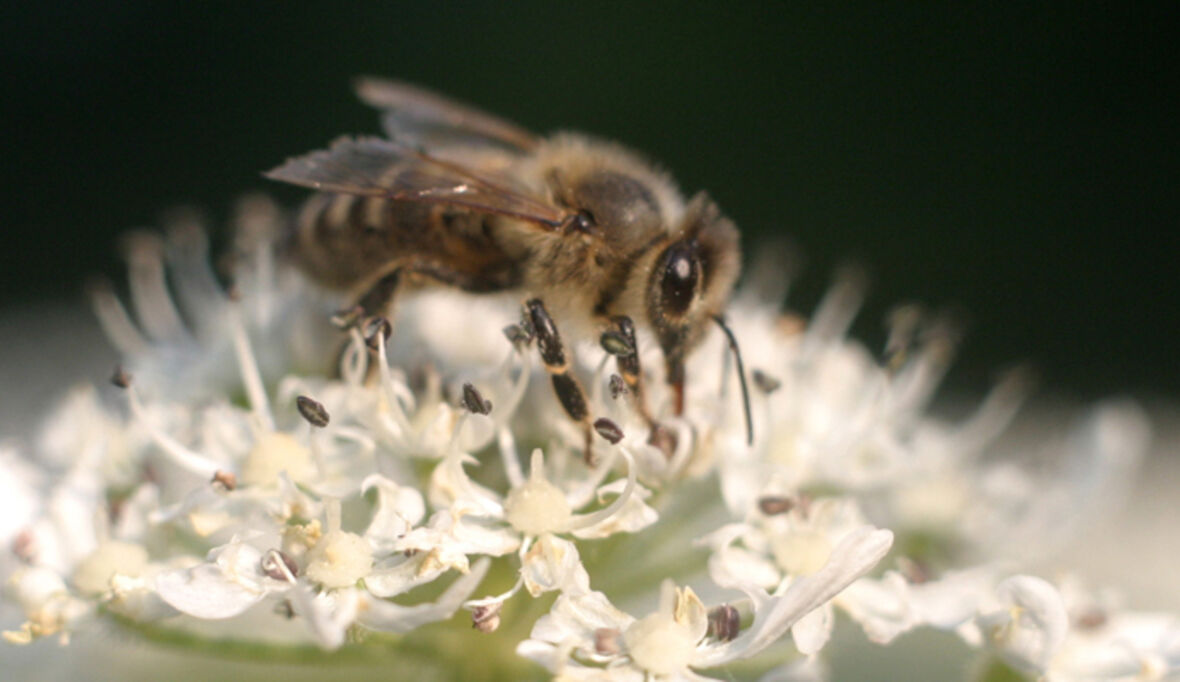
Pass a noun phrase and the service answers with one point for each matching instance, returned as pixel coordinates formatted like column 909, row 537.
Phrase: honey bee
column 591, row 233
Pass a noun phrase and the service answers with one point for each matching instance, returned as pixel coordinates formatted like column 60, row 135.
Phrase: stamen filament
column 248, row 367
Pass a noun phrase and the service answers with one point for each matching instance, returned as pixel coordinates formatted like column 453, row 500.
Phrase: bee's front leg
column 565, row 385
column 619, row 341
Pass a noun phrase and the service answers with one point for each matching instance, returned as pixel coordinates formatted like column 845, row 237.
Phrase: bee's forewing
column 371, row 166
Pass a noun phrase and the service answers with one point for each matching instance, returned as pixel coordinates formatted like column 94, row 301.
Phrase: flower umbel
column 240, row 481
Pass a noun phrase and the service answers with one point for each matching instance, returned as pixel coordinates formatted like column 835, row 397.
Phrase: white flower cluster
column 240, row 483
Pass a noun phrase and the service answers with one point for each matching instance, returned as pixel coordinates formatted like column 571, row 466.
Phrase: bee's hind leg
column 565, row 385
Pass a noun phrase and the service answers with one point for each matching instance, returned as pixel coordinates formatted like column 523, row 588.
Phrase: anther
column 275, row 561
column 1091, row 619
column 24, row 546
column 313, row 411
column 486, row 618
column 765, row 383
column 517, row 336
column 773, row 505
column 663, row 439
column 607, row 641
column 224, row 479
column 724, row 623
column 120, row 377
column 608, row 430
column 616, row 343
column 914, row 570
column 473, row 400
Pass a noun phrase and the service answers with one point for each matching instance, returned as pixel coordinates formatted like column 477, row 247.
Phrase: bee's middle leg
column 565, row 385
column 377, row 297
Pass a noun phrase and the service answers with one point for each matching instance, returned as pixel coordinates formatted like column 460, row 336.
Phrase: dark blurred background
column 1019, row 164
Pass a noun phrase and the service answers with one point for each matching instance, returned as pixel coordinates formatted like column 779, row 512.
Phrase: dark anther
column 616, row 343
column 517, row 336
column 486, row 618
column 724, row 623
column 270, row 565
column 284, row 609
column 772, row 505
column 312, row 411
column 608, row 430
column 377, row 325
column 120, row 378
column 473, row 400
column 224, row 479
column 765, row 383
column 348, row 318
column 618, row 387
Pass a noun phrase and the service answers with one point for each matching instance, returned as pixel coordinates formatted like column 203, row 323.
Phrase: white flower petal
column 813, row 630
column 328, row 614
column 851, row 559
column 881, row 607
column 206, row 592
column 230, row 584
column 386, row 616
column 1033, row 623
column 553, row 564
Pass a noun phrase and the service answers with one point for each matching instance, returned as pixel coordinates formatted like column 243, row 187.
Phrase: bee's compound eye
column 680, row 277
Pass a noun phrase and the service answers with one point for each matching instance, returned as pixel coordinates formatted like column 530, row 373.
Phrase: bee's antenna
column 737, row 355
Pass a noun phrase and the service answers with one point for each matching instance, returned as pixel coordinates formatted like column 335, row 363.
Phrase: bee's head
column 690, row 282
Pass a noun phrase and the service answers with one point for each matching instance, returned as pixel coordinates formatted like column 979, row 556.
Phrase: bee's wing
column 372, row 166
column 420, row 117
